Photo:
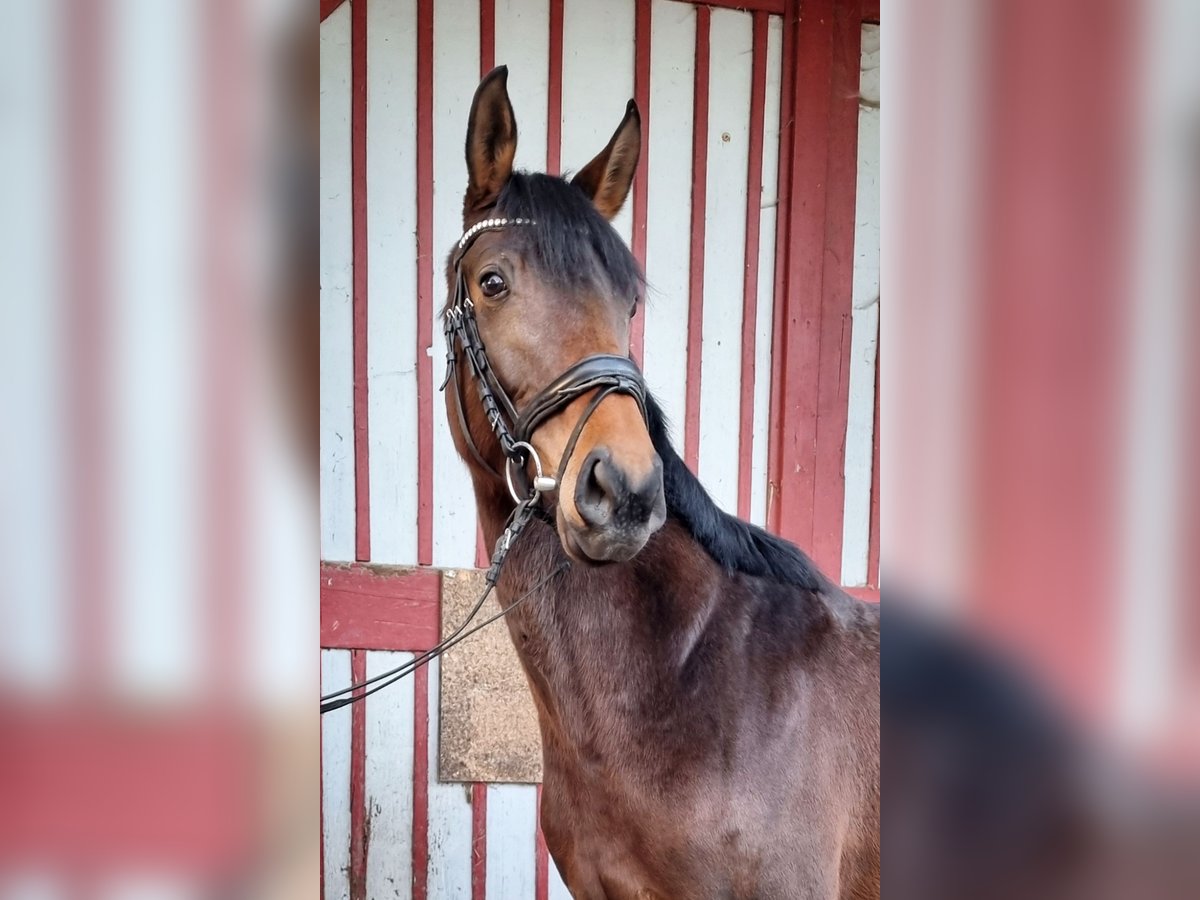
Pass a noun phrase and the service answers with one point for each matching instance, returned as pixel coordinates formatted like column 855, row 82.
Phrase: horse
column 708, row 701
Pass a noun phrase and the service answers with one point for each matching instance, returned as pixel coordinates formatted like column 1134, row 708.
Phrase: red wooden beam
column 426, row 253
column 787, row 130
column 358, row 784
column 328, row 6
column 554, row 110
column 641, row 94
column 379, row 609
column 758, row 93
column 85, row 788
column 870, row 11
column 487, row 36
column 420, row 816
column 810, row 381
column 541, row 857
column 695, row 323
column 478, row 841
column 358, row 168
column 837, row 288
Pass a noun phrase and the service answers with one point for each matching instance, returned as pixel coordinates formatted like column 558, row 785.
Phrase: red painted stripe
column 425, row 257
column 321, row 788
column 781, row 307
column 691, row 422
column 837, row 288
column 89, row 338
column 554, row 112
column 487, row 36
column 758, row 95
column 870, row 11
column 328, row 6
column 420, row 834
column 812, row 398
column 641, row 183
column 94, row 789
column 358, row 784
column 379, row 609
column 541, row 860
column 358, row 167
column 873, row 544
column 478, row 841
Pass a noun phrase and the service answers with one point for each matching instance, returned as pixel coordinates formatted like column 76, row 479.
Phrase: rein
column 604, row 373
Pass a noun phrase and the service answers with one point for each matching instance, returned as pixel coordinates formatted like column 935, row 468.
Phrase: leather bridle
column 602, row 372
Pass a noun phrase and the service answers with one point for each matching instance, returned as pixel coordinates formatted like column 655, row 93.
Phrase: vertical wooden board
column 864, row 336
column 157, row 635
column 337, row 270
column 36, row 640
column 557, row 888
column 511, row 830
column 668, row 211
column 449, row 816
column 597, row 83
column 455, row 77
column 335, row 777
column 392, row 278
column 389, row 786
column 523, row 44
column 731, row 47
column 765, row 311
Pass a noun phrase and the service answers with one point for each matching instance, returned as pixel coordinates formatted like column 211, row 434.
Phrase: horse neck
column 593, row 637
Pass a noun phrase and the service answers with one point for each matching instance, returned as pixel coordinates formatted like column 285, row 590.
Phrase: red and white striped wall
column 760, row 244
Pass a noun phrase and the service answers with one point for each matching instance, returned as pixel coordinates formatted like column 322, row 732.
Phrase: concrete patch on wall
column 489, row 727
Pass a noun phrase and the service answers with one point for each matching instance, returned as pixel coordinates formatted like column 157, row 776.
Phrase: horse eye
column 493, row 285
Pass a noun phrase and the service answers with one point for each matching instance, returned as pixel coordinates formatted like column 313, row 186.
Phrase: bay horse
column 708, row 701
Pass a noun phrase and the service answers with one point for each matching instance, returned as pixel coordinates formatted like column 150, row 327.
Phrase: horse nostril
column 597, row 487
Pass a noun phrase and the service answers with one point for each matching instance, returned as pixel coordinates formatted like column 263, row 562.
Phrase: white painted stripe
column 864, row 335
column 511, row 840
column 732, row 41
column 35, row 641
column 389, row 782
column 449, row 817
column 597, row 83
column 158, row 635
column 455, row 77
column 392, row 277
column 765, row 311
column 337, row 265
column 335, row 778
column 668, row 211
column 26, row 884
column 1150, row 681
column 557, row 889
column 523, row 44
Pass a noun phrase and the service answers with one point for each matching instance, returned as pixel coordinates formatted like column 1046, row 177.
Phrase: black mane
column 735, row 545
column 573, row 246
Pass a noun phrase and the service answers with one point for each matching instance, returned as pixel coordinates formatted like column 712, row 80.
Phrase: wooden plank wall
column 705, row 219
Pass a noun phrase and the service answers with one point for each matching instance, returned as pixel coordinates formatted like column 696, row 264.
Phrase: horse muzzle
column 619, row 509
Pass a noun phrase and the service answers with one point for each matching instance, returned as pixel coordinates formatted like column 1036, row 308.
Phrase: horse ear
column 607, row 178
column 491, row 142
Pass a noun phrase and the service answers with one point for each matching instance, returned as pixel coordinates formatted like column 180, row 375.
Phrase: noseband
column 602, row 372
